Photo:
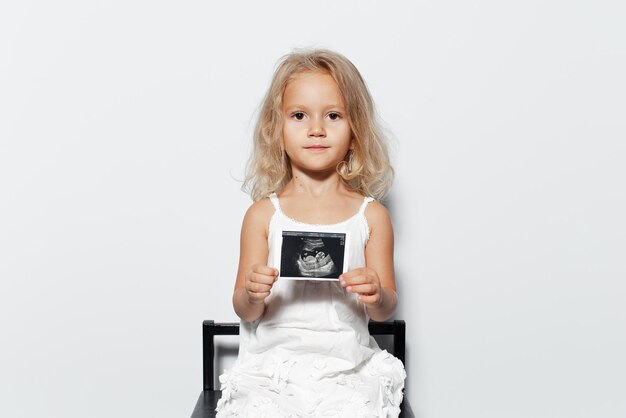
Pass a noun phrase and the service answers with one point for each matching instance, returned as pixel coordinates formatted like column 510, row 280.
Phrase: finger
column 262, row 278
column 354, row 280
column 268, row 271
column 258, row 296
column 257, row 287
column 352, row 273
column 363, row 289
column 370, row 300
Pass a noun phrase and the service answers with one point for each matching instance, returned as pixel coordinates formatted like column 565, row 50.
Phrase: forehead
column 314, row 88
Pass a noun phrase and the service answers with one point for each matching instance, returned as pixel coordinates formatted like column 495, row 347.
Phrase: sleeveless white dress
column 310, row 354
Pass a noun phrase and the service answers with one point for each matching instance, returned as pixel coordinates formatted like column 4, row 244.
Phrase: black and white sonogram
column 312, row 255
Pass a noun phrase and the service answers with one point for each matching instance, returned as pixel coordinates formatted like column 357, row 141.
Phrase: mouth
column 316, row 147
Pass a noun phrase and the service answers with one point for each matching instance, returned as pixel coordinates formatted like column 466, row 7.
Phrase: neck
column 314, row 184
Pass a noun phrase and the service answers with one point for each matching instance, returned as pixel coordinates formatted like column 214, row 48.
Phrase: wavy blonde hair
column 365, row 169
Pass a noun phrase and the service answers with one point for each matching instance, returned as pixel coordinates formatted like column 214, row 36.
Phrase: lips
column 316, row 147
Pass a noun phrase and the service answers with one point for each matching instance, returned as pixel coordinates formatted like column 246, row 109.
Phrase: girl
column 319, row 161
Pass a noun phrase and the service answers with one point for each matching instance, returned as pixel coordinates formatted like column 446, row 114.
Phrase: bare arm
column 254, row 277
column 375, row 283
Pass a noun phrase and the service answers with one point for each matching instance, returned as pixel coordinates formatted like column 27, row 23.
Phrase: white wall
column 125, row 125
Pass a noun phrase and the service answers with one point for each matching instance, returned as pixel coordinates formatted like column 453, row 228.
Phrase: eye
column 298, row 115
column 334, row 116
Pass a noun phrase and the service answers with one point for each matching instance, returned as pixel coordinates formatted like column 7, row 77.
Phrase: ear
column 351, row 144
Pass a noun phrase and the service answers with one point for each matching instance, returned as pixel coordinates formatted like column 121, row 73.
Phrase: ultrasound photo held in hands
column 312, row 255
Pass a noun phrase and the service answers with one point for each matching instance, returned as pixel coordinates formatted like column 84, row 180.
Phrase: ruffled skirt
column 312, row 385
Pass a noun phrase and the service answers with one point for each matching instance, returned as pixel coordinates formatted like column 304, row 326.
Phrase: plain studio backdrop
column 125, row 127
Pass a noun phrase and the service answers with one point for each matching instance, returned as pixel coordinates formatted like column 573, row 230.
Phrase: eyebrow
column 298, row 106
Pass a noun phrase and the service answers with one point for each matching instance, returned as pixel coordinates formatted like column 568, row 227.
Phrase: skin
column 317, row 137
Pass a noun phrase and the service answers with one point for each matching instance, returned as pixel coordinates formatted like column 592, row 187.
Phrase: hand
column 364, row 282
column 259, row 281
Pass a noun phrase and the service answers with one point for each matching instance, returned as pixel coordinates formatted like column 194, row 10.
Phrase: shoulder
column 377, row 217
column 376, row 211
column 260, row 208
column 259, row 214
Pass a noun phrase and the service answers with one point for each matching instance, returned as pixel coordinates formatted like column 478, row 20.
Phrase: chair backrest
column 211, row 328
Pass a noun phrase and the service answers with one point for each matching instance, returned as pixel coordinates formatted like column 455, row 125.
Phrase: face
column 316, row 131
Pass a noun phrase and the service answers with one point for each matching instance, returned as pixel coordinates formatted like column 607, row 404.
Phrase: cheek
column 287, row 131
column 290, row 128
column 290, row 138
column 343, row 131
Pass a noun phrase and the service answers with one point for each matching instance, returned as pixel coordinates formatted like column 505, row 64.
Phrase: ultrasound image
column 313, row 255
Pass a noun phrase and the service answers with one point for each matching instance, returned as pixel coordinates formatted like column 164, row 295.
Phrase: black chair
column 207, row 402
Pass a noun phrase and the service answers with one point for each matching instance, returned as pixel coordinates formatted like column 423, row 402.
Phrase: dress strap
column 366, row 200
column 274, row 199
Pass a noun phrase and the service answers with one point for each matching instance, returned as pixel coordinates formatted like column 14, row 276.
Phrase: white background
column 124, row 130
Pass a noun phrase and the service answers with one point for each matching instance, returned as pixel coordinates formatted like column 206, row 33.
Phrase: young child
column 319, row 161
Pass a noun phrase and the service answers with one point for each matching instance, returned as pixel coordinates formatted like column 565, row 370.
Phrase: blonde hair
column 365, row 169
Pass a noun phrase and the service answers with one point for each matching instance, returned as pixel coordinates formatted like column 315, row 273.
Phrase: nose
column 316, row 129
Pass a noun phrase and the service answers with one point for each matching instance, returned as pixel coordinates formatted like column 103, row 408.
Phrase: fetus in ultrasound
column 313, row 259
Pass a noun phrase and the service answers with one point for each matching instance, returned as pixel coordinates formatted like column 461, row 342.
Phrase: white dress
column 310, row 354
